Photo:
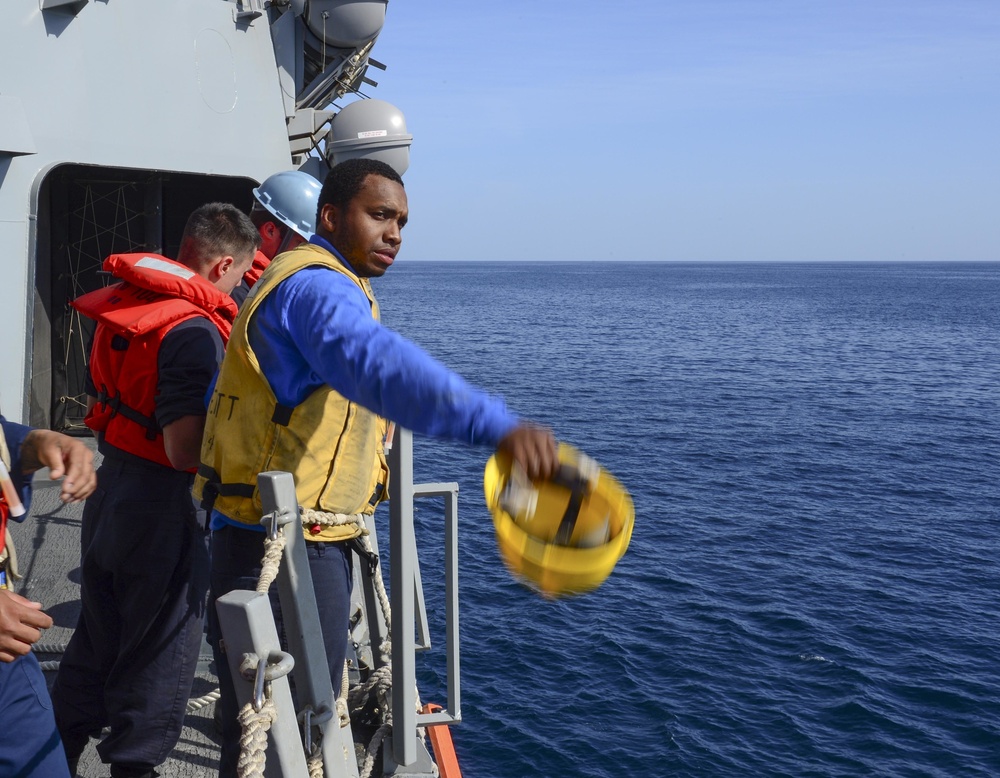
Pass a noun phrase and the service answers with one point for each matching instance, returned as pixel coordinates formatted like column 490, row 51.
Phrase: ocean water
column 813, row 583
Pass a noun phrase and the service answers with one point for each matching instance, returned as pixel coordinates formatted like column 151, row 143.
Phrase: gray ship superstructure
column 117, row 119
column 120, row 117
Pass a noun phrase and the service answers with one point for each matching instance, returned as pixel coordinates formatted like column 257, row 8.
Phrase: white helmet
column 292, row 197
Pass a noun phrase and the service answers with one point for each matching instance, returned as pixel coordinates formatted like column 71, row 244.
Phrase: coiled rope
column 273, row 546
column 255, row 722
column 253, row 742
column 254, row 725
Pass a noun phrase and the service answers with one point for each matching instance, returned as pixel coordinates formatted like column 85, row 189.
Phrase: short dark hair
column 260, row 216
column 217, row 229
column 345, row 180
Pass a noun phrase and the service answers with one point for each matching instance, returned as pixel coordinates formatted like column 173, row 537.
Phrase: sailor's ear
column 328, row 215
column 222, row 266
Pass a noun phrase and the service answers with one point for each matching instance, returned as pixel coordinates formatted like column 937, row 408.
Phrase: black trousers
column 144, row 579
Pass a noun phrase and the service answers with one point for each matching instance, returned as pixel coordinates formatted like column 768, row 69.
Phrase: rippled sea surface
column 813, row 584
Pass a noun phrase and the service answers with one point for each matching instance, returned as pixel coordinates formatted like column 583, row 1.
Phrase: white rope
column 379, row 682
column 254, row 726
column 49, row 648
column 197, row 703
column 343, row 714
column 312, row 517
column 374, row 746
column 271, row 562
column 52, row 665
column 315, row 762
column 251, row 721
column 385, row 650
column 253, row 741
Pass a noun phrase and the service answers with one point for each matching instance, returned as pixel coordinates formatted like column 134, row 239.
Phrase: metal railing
column 405, row 571
column 248, row 627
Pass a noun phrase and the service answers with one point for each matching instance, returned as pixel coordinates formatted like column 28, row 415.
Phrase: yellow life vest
column 331, row 446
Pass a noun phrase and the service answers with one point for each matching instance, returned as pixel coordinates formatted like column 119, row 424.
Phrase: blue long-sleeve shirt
column 15, row 434
column 315, row 328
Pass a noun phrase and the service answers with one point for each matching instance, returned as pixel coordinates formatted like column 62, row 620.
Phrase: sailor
column 144, row 569
column 284, row 213
column 308, row 376
column 29, row 740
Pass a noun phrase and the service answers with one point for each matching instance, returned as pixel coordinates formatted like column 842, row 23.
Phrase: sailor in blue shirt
column 364, row 361
column 313, row 330
column 29, row 740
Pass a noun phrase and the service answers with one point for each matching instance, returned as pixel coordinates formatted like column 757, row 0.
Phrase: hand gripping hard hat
column 561, row 536
column 291, row 197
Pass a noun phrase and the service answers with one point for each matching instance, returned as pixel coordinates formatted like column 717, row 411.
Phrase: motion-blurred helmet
column 561, row 536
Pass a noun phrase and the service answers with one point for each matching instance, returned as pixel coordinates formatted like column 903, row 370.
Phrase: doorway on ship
column 86, row 213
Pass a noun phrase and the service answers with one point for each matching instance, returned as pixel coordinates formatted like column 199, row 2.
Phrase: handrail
column 247, row 622
column 449, row 491
column 402, row 541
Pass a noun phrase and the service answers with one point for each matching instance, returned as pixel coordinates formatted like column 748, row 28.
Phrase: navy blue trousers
column 236, row 564
column 144, row 578
column 29, row 740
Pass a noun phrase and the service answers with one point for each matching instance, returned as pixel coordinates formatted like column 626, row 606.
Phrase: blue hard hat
column 292, row 197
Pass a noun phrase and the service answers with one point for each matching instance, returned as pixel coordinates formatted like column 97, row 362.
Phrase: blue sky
column 698, row 130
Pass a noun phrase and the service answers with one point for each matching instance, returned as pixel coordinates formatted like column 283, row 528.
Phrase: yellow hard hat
column 562, row 536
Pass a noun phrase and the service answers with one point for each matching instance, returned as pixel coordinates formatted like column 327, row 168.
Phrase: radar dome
column 372, row 129
column 348, row 24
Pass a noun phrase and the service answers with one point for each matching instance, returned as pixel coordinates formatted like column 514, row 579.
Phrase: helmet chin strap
column 283, row 246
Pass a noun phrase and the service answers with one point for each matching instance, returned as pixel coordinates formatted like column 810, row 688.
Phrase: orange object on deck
column 444, row 748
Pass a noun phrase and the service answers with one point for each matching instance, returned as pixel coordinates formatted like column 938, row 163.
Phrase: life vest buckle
column 368, row 556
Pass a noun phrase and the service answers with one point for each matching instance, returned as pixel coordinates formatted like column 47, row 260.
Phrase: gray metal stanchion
column 247, row 622
column 248, row 627
column 313, row 685
column 402, row 543
column 407, row 750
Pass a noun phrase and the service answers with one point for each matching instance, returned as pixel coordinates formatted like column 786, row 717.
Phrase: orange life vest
column 155, row 295
column 260, row 263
